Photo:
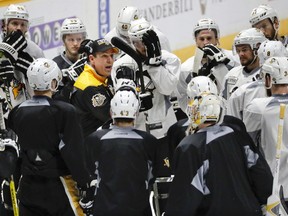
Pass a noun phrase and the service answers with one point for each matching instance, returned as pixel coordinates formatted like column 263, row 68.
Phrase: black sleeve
column 151, row 148
column 64, row 93
column 174, row 136
column 259, row 170
column 184, row 197
column 93, row 150
column 97, row 100
column 72, row 147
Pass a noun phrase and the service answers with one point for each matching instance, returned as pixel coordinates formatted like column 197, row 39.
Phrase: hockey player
column 17, row 17
column 246, row 44
column 177, row 131
column 48, row 160
column 266, row 19
column 206, row 35
column 19, row 52
column 160, row 74
column 15, row 26
column 130, row 153
column 126, row 15
column 92, row 96
column 73, row 33
column 218, row 169
column 261, row 115
column 242, row 96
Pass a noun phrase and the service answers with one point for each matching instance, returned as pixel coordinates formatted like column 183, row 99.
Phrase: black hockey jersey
column 122, row 159
column 65, row 87
column 219, row 172
column 92, row 100
column 50, row 138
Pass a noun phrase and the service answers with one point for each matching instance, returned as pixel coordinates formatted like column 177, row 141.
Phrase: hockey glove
column 146, row 101
column 5, row 106
column 75, row 70
column 6, row 71
column 125, row 72
column 215, row 55
column 9, row 153
column 23, row 62
column 13, row 44
column 85, row 47
column 153, row 48
column 87, row 197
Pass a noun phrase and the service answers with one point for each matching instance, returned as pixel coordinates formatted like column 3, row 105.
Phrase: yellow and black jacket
column 92, row 99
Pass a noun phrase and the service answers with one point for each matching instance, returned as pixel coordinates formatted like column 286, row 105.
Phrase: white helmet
column 125, row 84
column 125, row 16
column 138, row 28
column 206, row 23
column 15, row 11
column 262, row 12
column 251, row 36
column 277, row 67
column 41, row 73
column 270, row 48
column 207, row 107
column 199, row 85
column 72, row 26
column 124, row 104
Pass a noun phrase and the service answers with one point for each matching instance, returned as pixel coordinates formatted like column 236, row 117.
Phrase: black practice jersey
column 50, row 138
column 122, row 159
column 219, row 171
column 175, row 134
column 65, row 88
column 62, row 61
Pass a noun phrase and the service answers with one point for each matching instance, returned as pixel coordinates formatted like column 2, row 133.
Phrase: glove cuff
column 157, row 61
column 9, row 50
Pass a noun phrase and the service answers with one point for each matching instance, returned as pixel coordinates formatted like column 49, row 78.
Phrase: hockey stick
column 273, row 202
column 11, row 180
column 283, row 206
column 197, row 61
column 122, row 45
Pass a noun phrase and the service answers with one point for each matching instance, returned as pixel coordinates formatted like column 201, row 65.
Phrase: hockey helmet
column 125, row 84
column 269, row 49
column 125, row 16
column 73, row 26
column 277, row 67
column 15, row 11
column 138, row 28
column 262, row 12
column 199, row 85
column 124, row 104
column 42, row 72
column 252, row 37
column 208, row 24
column 206, row 107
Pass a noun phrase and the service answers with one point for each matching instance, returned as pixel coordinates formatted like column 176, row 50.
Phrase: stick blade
column 273, row 205
column 197, row 60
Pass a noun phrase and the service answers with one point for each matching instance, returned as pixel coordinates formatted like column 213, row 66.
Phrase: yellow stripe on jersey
column 225, row 42
column 72, row 194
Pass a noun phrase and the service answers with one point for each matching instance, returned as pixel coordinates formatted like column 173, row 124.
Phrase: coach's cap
column 102, row 45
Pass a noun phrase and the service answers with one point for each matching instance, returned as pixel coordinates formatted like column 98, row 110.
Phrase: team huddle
column 119, row 126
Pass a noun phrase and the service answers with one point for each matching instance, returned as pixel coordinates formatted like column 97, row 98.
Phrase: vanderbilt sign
column 167, row 9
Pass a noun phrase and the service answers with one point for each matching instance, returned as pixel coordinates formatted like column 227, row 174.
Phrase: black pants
column 41, row 196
